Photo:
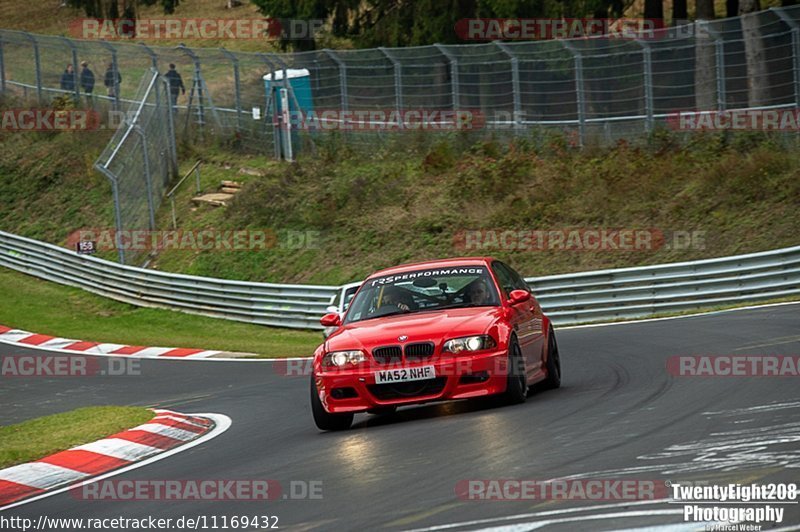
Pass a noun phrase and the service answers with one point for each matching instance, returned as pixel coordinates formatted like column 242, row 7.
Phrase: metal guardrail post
column 37, row 64
column 792, row 23
column 237, row 87
column 398, row 84
column 454, row 82
column 342, row 76
column 115, row 70
column 515, row 86
column 76, row 77
column 577, row 57
column 647, row 60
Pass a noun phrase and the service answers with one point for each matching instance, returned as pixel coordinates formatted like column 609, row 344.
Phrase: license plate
column 405, row 374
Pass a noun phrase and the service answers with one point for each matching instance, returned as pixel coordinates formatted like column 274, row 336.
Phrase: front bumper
column 457, row 377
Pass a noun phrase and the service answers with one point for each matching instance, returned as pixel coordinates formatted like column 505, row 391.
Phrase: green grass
column 48, row 308
column 43, row 436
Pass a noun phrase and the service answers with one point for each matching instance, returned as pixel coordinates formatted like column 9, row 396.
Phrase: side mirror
column 331, row 320
column 519, row 296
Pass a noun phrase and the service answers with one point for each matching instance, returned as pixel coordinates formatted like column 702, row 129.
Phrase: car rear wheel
column 553, row 365
column 323, row 419
column 517, row 383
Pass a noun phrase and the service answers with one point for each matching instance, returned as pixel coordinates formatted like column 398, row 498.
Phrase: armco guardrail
column 572, row 298
column 283, row 305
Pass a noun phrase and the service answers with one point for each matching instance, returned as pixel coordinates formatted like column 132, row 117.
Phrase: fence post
column 719, row 53
column 197, row 82
column 38, row 65
column 236, row 84
column 152, row 54
column 271, row 108
column 454, row 84
column 342, row 76
column 2, row 69
column 117, row 211
column 580, row 96
column 115, row 70
column 795, row 49
column 647, row 60
column 171, row 135
column 147, row 176
column 514, row 81
column 398, row 84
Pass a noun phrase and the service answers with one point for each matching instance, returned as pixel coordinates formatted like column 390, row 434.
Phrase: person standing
column 111, row 80
column 175, row 84
column 87, row 80
column 68, row 79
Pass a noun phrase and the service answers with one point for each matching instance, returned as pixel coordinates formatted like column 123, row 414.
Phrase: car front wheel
column 517, row 382
column 323, row 419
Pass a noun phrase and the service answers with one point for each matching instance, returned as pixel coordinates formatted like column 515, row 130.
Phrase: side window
column 516, row 279
column 503, row 277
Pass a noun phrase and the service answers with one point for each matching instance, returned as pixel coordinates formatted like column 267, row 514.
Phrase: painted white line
column 40, row 475
column 14, row 336
column 105, row 349
column 542, row 513
column 164, row 430
column 533, row 525
column 118, row 448
column 221, row 421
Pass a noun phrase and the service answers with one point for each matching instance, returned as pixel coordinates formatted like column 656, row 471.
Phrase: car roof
column 440, row 263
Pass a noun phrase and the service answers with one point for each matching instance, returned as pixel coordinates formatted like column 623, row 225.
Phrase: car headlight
column 469, row 343
column 342, row 358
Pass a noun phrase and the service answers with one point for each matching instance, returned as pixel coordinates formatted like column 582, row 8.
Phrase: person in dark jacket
column 175, row 83
column 112, row 80
column 68, row 79
column 87, row 80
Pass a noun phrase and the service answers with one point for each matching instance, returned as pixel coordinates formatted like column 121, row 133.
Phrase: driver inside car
column 397, row 298
column 478, row 293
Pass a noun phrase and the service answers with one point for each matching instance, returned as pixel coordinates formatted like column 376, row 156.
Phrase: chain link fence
column 593, row 90
column 140, row 161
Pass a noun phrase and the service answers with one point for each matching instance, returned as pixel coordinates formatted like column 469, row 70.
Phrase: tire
column 382, row 411
column 516, row 381
column 553, row 364
column 323, row 419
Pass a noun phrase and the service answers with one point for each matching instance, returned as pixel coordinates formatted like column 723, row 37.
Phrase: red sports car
column 432, row 331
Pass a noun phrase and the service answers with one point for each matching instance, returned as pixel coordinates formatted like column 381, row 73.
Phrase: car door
column 522, row 317
column 536, row 323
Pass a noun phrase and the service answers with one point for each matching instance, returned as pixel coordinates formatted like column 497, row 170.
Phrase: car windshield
column 422, row 291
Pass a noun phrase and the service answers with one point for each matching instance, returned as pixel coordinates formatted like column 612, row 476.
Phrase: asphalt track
column 619, row 415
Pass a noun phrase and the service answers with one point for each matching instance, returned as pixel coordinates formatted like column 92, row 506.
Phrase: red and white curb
column 166, row 434
column 52, row 343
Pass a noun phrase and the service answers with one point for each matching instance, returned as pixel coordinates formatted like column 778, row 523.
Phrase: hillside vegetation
column 411, row 200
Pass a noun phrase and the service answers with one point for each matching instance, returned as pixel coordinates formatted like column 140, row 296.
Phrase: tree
column 705, row 64
column 680, row 12
column 111, row 8
column 654, row 10
column 757, row 74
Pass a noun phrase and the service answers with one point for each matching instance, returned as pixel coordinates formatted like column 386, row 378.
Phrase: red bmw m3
column 441, row 330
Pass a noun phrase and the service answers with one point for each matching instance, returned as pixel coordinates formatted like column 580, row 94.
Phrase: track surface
column 619, row 415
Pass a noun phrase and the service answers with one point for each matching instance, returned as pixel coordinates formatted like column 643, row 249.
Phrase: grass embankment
column 410, row 200
column 48, row 308
column 43, row 436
